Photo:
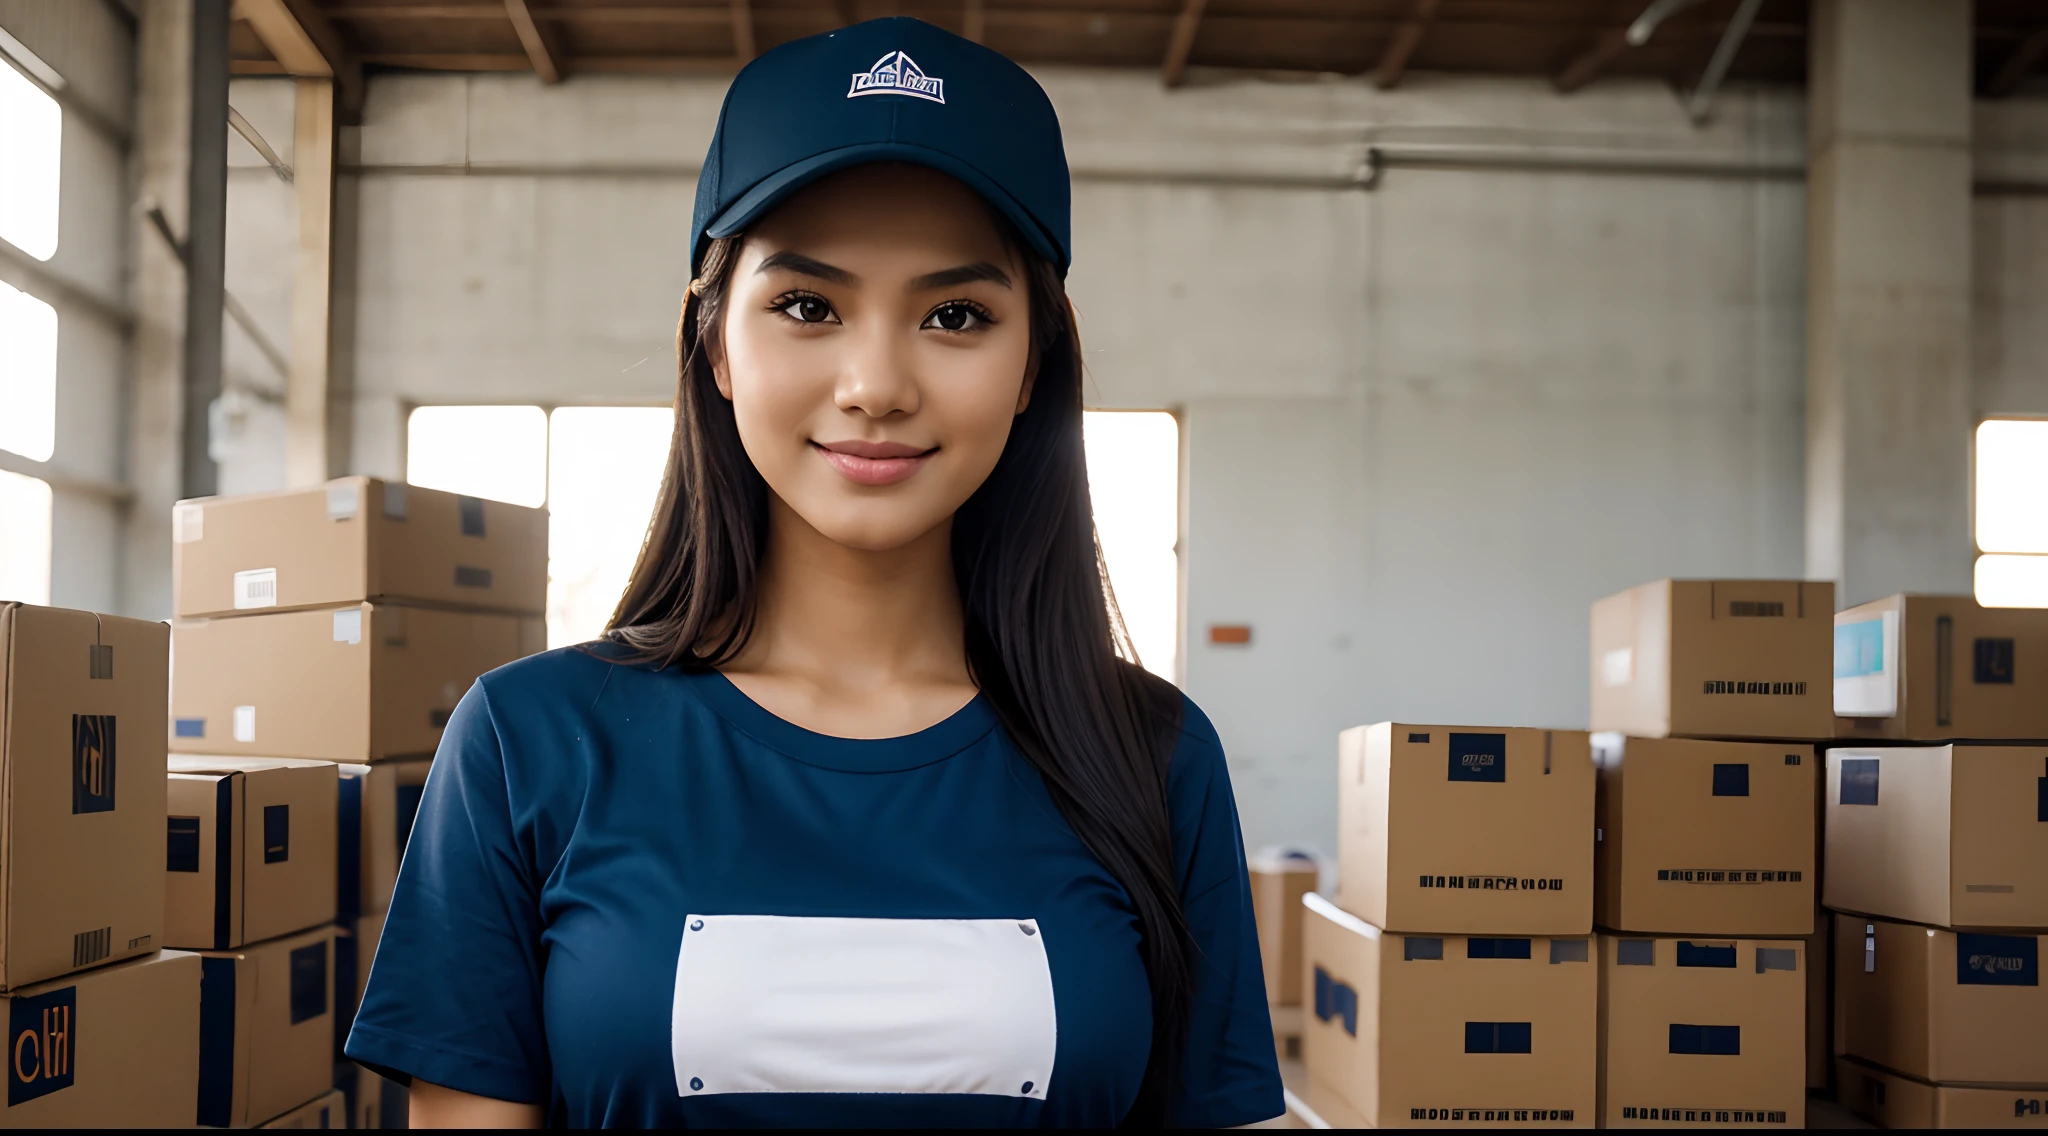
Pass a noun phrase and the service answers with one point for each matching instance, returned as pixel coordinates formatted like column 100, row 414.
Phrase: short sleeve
column 454, row 996
column 1230, row 1074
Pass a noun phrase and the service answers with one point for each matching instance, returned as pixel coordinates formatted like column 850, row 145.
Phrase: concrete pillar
column 1888, row 411
column 163, row 160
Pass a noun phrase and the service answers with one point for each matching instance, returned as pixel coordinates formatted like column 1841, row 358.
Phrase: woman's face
column 875, row 344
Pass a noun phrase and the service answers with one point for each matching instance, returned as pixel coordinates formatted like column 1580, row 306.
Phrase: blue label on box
column 1479, row 757
column 41, row 1041
column 1998, row 960
column 1498, row 1037
column 1859, row 781
column 1712, row 1041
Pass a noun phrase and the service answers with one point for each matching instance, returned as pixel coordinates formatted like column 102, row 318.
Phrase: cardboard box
column 1954, row 836
column 355, row 947
column 1714, row 659
column 372, row 1101
column 81, row 702
column 107, row 1048
column 356, row 539
column 1893, row 1100
column 1697, row 1031
column 1698, row 837
column 275, row 818
column 1277, row 887
column 1943, row 1006
column 372, row 840
column 1440, row 1031
column 1933, row 668
column 329, row 1111
column 1466, row 830
column 363, row 683
column 266, row 1028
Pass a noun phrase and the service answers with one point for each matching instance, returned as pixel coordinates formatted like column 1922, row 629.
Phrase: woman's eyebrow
column 799, row 263
column 965, row 274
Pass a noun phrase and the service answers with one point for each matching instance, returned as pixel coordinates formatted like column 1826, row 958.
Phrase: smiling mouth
column 874, row 463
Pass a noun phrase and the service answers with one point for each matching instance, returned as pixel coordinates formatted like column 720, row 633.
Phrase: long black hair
column 1043, row 634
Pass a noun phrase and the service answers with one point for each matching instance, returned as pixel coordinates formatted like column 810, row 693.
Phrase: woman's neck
column 852, row 642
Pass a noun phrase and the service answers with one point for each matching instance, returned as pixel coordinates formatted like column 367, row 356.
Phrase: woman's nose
column 877, row 378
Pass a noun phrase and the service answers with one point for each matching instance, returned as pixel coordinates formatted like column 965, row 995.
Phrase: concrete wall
column 1554, row 351
column 93, row 49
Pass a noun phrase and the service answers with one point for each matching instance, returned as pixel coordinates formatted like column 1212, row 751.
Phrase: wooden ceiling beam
column 1182, row 41
column 1394, row 60
column 302, row 40
column 1587, row 64
column 623, row 14
column 2023, row 59
column 743, row 44
column 541, row 49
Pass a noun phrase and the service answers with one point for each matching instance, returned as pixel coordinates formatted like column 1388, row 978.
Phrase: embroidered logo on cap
column 897, row 74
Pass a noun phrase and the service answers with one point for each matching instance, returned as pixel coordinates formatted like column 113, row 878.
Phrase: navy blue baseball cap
column 891, row 90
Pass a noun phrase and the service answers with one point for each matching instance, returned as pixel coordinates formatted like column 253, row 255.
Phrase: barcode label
column 256, row 588
column 1738, row 686
column 89, row 947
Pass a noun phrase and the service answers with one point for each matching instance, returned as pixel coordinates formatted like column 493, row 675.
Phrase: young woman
column 855, row 817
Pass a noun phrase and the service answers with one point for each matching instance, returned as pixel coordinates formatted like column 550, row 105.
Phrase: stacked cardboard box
column 322, row 639
column 102, row 1024
column 1279, row 880
column 1709, row 695
column 1937, row 859
column 1452, row 982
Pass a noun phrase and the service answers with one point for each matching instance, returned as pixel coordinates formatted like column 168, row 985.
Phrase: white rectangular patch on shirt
column 789, row 1004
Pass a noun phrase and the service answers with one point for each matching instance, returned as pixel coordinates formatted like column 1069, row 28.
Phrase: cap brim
column 774, row 190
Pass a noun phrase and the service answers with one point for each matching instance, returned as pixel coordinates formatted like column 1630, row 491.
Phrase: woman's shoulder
column 549, row 676
column 566, row 682
column 1198, row 759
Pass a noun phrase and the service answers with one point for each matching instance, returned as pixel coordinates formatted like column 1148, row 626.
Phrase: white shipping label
column 245, row 723
column 343, row 501
column 348, row 626
column 1618, row 667
column 188, row 523
column 256, row 587
column 784, row 1004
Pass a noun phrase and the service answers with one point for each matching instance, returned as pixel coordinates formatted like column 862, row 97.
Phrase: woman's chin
column 875, row 526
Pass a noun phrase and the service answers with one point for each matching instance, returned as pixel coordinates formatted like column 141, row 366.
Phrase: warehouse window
column 604, row 470
column 28, row 374
column 2012, row 512
column 31, row 139
column 25, row 553
column 1134, row 479
column 495, row 452
column 598, row 469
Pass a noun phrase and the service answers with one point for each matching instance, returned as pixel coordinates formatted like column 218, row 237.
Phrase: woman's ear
column 1030, row 377
column 1031, row 367
column 714, row 350
column 720, row 373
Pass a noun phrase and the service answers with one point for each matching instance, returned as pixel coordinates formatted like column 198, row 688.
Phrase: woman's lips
column 874, row 463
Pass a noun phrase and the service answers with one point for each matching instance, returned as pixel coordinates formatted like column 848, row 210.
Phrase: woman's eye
column 807, row 309
column 955, row 317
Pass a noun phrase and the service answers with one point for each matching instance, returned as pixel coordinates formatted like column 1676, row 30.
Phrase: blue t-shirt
column 639, row 897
